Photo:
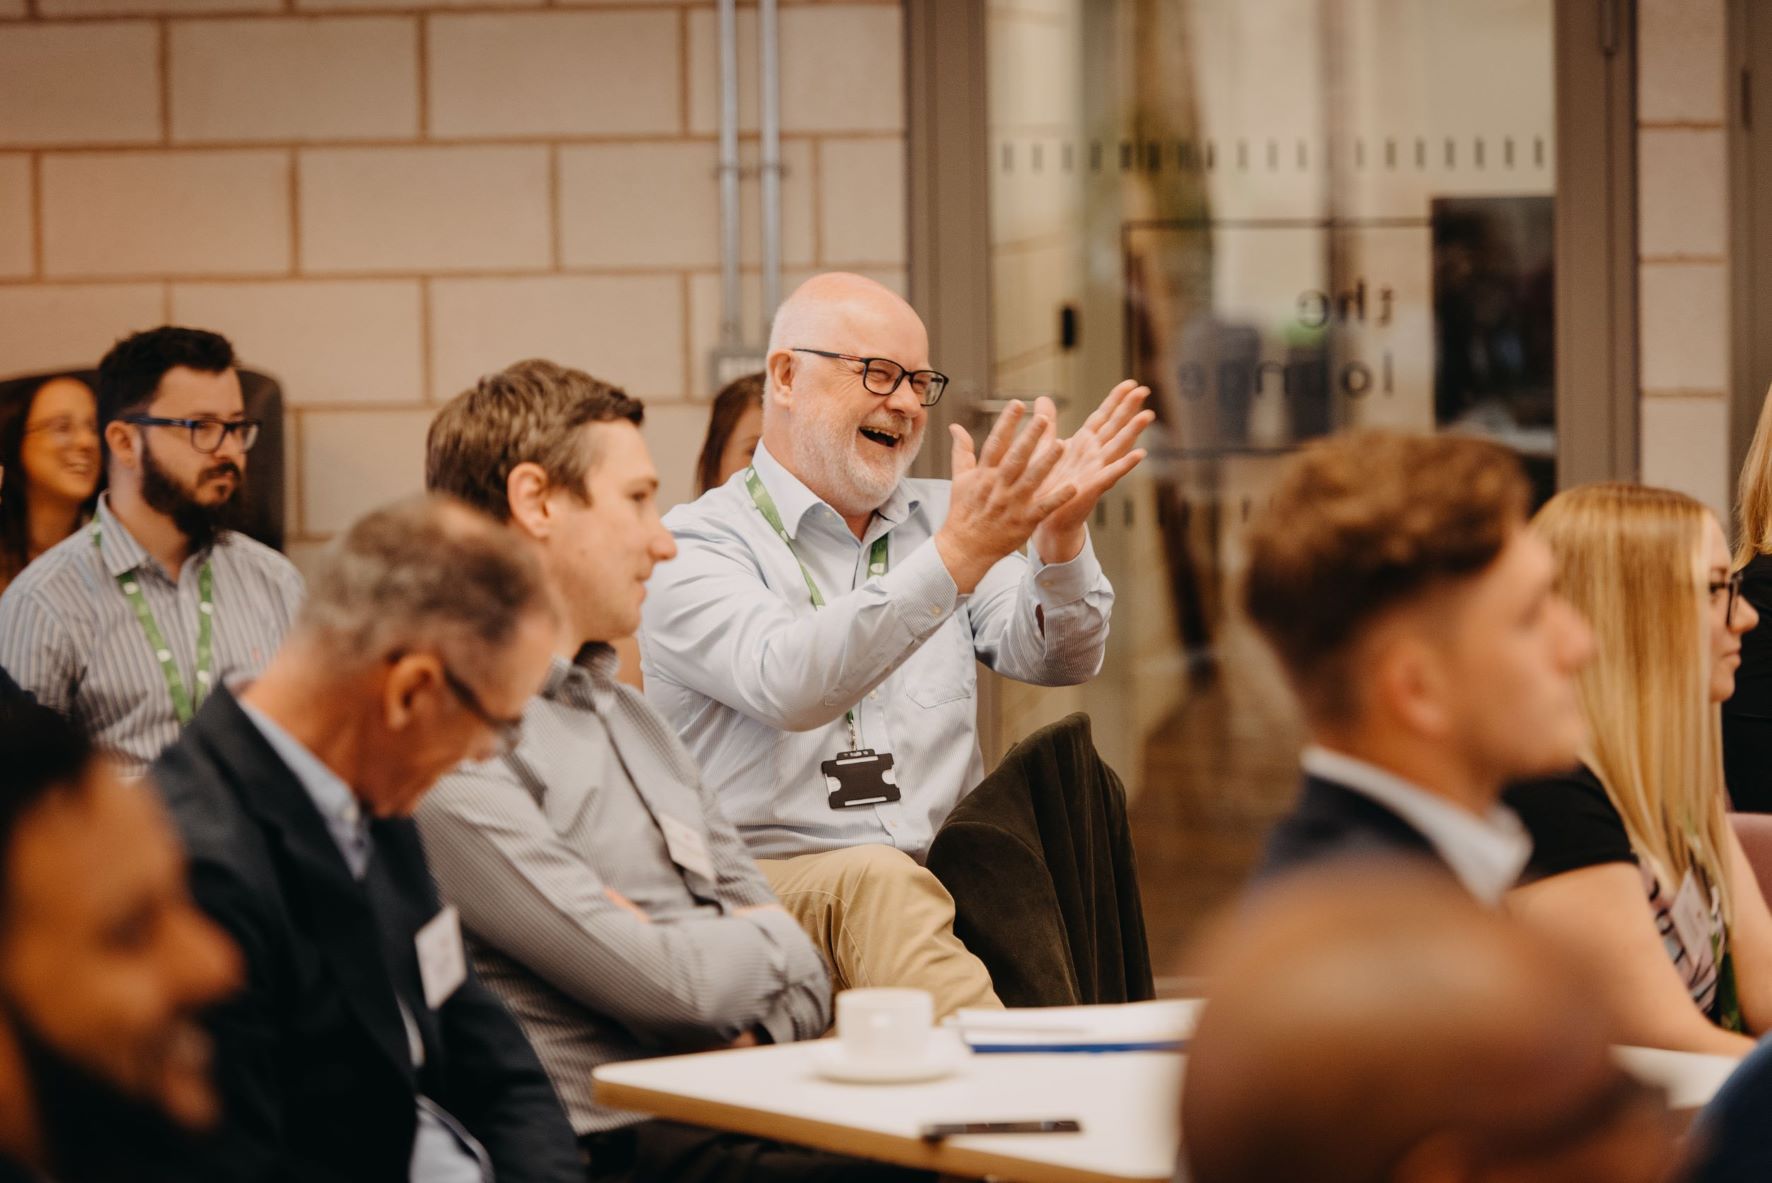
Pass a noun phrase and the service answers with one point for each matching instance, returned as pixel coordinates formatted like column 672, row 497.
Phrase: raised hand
column 1095, row 458
column 1003, row 493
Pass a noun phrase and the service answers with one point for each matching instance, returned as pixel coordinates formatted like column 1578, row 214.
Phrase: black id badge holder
column 860, row 777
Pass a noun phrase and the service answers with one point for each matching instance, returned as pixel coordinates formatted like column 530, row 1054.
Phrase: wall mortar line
column 163, row 64
column 37, row 229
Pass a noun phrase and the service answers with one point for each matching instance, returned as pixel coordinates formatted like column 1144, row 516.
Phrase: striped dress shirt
column 69, row 635
column 601, row 794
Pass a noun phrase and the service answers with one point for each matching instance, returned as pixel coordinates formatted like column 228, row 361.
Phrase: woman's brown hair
column 734, row 399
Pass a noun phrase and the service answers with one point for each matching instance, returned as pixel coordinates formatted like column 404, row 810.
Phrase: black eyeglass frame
column 508, row 731
column 1733, row 583
column 246, row 429
column 938, row 381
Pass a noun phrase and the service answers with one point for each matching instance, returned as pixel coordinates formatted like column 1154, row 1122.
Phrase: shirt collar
column 1486, row 852
column 793, row 500
column 118, row 550
column 587, row 679
column 331, row 795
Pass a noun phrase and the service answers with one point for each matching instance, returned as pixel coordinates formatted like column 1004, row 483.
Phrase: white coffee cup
column 885, row 1026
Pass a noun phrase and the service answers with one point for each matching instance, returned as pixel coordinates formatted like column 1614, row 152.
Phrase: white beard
column 833, row 465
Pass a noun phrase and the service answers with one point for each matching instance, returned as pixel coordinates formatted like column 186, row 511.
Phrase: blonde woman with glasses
column 1634, row 868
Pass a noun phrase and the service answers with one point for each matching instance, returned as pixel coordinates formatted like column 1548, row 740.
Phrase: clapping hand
column 1001, row 495
column 1094, row 460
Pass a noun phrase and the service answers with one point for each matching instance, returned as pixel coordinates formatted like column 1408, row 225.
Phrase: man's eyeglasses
column 881, row 375
column 206, row 434
column 1733, row 586
column 508, row 731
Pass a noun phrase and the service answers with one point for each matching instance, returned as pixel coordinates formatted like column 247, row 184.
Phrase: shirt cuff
column 922, row 590
column 1058, row 584
column 802, row 1011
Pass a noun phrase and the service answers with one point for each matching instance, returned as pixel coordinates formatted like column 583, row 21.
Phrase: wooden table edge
column 845, row 1139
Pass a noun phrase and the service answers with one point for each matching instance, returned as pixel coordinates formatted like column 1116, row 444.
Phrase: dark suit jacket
column 1730, row 1133
column 1039, row 861
column 313, row 1064
column 1331, row 821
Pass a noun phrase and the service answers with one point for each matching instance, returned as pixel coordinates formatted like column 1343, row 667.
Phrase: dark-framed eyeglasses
column 206, row 434
column 508, row 731
column 881, row 375
column 1733, row 586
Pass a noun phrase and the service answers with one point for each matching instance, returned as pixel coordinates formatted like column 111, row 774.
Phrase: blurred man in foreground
column 1372, row 1022
column 104, row 962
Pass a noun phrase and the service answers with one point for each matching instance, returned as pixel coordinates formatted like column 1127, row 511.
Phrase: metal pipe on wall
column 768, row 37
column 731, row 329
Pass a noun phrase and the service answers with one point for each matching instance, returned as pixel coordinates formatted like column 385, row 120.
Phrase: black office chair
column 262, row 510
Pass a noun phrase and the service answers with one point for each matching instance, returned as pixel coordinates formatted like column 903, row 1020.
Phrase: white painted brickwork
column 380, row 200
column 1683, row 235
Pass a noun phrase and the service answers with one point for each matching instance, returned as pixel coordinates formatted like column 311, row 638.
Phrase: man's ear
column 410, row 690
column 780, row 387
column 526, row 492
column 122, row 441
column 1411, row 682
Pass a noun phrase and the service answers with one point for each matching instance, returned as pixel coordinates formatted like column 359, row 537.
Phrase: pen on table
column 935, row 1131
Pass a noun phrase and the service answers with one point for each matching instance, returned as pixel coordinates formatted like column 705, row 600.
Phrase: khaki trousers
column 881, row 919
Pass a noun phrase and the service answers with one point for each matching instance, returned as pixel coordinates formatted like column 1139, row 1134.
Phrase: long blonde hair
column 1631, row 558
column 1753, row 495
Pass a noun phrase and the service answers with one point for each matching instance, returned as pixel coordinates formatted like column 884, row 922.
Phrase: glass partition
column 1286, row 217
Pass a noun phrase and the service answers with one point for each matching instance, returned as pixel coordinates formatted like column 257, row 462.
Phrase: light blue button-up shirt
column 757, row 682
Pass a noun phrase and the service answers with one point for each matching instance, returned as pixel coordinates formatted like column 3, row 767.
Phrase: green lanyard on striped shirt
column 184, row 704
column 877, row 564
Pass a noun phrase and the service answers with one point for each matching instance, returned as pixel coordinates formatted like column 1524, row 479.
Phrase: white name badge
column 1691, row 917
column 442, row 962
column 688, row 848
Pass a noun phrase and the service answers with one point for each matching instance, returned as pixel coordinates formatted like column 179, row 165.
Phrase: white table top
column 1128, row 1103
column 1690, row 1078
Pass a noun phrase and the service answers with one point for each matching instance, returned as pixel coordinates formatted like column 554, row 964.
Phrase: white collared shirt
column 1487, row 852
column 757, row 682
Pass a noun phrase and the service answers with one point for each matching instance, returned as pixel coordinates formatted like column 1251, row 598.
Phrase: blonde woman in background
column 1635, row 869
column 1747, row 717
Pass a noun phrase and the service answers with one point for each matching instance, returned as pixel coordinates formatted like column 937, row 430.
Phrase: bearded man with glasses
column 815, row 641
column 128, row 624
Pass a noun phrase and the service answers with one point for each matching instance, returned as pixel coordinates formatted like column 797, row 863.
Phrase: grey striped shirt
column 590, row 982
column 69, row 635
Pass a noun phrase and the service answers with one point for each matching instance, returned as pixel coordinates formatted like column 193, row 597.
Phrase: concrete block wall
column 1682, row 248
column 380, row 200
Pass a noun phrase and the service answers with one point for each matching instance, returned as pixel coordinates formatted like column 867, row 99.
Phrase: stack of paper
column 1127, row 1027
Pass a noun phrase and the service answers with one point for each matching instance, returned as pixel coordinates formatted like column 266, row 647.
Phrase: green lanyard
column 184, row 706
column 877, row 565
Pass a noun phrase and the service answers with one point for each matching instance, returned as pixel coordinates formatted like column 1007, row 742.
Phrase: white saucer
column 942, row 1057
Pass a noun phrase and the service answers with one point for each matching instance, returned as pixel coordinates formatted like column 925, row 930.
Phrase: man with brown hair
column 605, row 895
column 1412, row 610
